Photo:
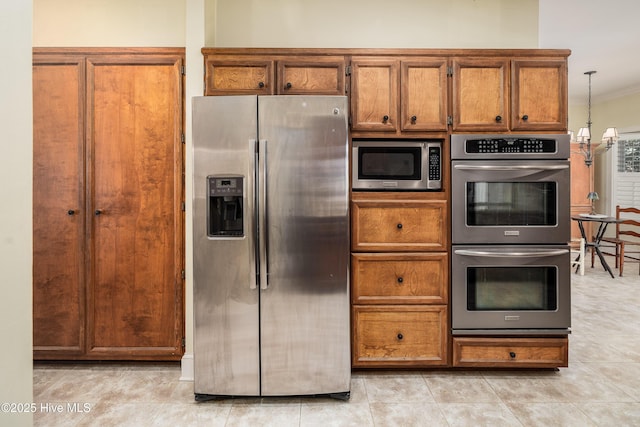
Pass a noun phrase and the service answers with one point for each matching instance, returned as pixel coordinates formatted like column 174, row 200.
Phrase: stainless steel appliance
column 510, row 233
column 510, row 189
column 271, row 246
column 510, row 289
column 396, row 165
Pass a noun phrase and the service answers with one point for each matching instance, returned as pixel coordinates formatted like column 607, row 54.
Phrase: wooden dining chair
column 626, row 243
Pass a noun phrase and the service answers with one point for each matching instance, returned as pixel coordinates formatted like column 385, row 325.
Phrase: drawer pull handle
column 400, row 279
column 261, row 85
column 400, row 336
column 498, row 119
column 414, row 119
column 385, row 119
column 399, row 226
column 288, row 85
column 525, row 117
column 512, row 354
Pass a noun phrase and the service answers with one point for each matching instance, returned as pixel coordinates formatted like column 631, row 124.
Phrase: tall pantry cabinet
column 108, row 233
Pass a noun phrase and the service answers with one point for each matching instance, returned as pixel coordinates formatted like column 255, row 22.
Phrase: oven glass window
column 512, row 288
column 389, row 163
column 512, row 203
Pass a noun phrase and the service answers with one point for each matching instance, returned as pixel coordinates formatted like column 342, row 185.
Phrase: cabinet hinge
column 182, row 274
column 449, row 70
column 183, row 71
column 183, row 207
column 449, row 120
column 347, row 70
column 184, row 343
column 182, row 139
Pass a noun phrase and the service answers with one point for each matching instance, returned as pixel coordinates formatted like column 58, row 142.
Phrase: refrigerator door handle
column 254, row 254
column 263, row 218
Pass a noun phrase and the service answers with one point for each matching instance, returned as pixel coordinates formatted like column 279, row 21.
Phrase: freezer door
column 226, row 318
column 305, row 307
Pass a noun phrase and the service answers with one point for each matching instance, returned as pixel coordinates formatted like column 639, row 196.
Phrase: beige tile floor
column 601, row 386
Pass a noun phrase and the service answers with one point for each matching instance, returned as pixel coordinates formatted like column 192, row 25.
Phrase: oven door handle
column 497, row 254
column 510, row 168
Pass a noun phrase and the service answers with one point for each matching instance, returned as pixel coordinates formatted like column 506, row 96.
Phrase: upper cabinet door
column 423, row 95
column 311, row 76
column 480, row 94
column 539, row 95
column 238, row 75
column 374, row 94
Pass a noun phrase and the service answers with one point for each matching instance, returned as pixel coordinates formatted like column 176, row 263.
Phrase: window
column 629, row 155
column 626, row 178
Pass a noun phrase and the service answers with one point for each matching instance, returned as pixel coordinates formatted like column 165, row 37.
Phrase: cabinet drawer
column 399, row 278
column 399, row 225
column 511, row 352
column 239, row 75
column 399, row 335
column 311, row 75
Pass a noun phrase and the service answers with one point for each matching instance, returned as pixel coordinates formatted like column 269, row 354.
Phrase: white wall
column 375, row 23
column 151, row 23
column 16, row 376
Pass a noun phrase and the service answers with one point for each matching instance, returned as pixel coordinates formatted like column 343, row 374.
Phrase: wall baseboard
column 187, row 367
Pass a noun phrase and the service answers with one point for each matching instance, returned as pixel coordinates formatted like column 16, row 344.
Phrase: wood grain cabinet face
column 480, row 95
column 423, row 95
column 397, row 335
column 374, row 94
column 399, row 278
column 510, row 352
column 108, row 223
column 311, row 76
column 539, row 90
column 399, row 225
column 237, row 75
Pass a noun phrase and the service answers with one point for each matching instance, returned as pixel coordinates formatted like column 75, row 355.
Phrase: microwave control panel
column 435, row 160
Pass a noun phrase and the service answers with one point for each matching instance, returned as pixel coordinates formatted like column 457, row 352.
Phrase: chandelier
column 609, row 137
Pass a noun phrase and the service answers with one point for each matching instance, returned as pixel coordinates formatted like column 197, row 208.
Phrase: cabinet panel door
column 396, row 335
column 423, row 95
column 539, row 91
column 480, row 95
column 399, row 225
column 58, row 207
column 239, row 76
column 311, row 76
column 134, row 138
column 374, row 95
column 400, row 278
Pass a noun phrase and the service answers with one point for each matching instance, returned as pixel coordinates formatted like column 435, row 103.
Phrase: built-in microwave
column 387, row 165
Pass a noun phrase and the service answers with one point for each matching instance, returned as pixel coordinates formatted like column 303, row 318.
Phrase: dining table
column 602, row 222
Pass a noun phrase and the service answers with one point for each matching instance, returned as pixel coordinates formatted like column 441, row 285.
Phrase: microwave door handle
column 510, row 168
column 491, row 254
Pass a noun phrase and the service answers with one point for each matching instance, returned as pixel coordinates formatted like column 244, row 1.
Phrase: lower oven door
column 511, row 289
column 510, row 202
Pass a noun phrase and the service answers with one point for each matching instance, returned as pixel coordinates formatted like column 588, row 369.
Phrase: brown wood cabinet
column 271, row 75
column 502, row 94
column 108, row 195
column 398, row 94
column 397, row 335
column 581, row 186
column 400, row 279
column 511, row 352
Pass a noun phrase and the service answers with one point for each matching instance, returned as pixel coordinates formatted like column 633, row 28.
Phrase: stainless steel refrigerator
column 271, row 246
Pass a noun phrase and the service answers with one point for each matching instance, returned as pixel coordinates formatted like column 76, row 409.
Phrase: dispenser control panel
column 225, row 210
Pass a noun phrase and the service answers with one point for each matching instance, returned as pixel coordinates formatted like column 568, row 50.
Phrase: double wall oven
column 510, row 232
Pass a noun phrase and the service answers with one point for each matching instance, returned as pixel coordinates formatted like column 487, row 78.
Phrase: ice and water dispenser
column 225, row 207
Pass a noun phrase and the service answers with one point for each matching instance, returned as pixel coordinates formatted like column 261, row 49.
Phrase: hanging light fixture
column 610, row 136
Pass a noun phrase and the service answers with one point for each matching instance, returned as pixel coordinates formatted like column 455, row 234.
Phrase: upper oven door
column 510, row 202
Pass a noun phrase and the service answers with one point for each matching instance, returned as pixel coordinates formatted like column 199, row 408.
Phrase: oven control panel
column 510, row 145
